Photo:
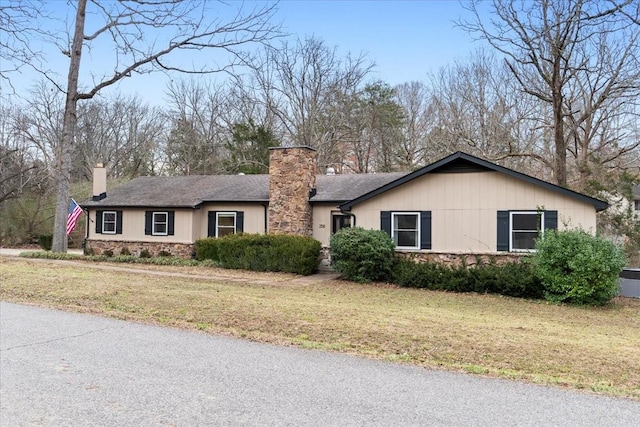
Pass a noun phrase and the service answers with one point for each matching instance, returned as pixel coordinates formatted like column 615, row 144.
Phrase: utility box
column 630, row 282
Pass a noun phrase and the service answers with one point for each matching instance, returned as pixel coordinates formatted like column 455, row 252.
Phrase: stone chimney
column 292, row 181
column 99, row 182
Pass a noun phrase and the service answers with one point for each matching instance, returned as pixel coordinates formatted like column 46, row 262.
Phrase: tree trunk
column 63, row 162
column 560, row 164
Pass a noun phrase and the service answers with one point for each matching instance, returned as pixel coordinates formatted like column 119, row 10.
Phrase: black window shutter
column 503, row 231
column 211, row 227
column 118, row 222
column 239, row 221
column 148, row 222
column 425, row 230
column 550, row 220
column 99, row 222
column 171, row 220
column 385, row 222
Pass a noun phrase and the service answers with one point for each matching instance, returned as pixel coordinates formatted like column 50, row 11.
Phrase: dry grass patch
column 579, row 347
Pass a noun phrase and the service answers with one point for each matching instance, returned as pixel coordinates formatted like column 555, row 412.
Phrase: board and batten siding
column 464, row 207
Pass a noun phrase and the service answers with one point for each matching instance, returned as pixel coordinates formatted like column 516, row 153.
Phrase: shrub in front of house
column 207, row 248
column 45, row 241
column 362, row 255
column 577, row 267
column 262, row 252
column 515, row 279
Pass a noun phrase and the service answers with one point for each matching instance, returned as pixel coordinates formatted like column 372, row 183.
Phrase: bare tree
column 418, row 109
column 122, row 132
column 304, row 86
column 477, row 107
column 580, row 58
column 20, row 22
column 39, row 122
column 198, row 130
column 147, row 36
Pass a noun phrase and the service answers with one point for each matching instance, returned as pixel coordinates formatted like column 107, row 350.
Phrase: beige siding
column 322, row 222
column 254, row 217
column 190, row 224
column 133, row 227
column 464, row 207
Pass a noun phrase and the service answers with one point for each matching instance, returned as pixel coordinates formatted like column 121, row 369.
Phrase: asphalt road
column 66, row 369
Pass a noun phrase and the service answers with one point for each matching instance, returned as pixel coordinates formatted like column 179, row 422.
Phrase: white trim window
column 225, row 223
column 160, row 224
column 405, row 229
column 109, row 219
column 524, row 229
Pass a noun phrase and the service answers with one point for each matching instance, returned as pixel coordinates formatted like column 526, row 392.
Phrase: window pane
column 526, row 222
column 405, row 222
column 223, row 231
column 524, row 240
column 160, row 228
column 407, row 238
column 226, row 221
column 108, row 222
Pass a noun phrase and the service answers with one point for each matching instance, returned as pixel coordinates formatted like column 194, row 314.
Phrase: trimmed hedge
column 262, row 252
column 511, row 279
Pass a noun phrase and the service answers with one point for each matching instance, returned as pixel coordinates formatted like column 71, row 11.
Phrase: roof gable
column 460, row 162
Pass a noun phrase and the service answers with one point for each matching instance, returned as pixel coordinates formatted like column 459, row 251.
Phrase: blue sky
column 405, row 39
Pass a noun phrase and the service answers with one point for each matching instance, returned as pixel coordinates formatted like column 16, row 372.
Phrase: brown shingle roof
column 186, row 191
column 345, row 187
column 191, row 191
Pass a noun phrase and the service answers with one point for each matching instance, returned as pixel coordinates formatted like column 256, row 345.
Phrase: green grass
column 586, row 348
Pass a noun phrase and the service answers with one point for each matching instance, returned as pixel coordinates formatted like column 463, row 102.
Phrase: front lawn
column 587, row 348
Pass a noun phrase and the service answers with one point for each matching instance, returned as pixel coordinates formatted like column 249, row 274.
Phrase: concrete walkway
column 18, row 251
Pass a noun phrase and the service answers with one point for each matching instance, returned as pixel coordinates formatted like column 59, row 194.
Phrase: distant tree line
column 556, row 96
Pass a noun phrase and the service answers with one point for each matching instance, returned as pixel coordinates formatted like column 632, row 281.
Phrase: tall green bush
column 578, row 268
column 362, row 255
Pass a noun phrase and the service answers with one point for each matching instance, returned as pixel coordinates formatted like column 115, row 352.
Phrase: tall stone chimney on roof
column 99, row 182
column 292, row 179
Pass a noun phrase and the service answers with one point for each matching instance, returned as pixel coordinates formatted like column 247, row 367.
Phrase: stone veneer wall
column 458, row 259
column 445, row 258
column 292, row 175
column 181, row 250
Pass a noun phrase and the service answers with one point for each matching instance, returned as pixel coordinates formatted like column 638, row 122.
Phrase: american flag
column 74, row 213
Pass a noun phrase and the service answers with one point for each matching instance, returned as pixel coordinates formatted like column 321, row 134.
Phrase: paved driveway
column 59, row 368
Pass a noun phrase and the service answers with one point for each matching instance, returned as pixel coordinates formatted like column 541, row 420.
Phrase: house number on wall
column 321, row 226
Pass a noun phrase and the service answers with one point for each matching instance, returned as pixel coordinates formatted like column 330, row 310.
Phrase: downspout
column 86, row 232
column 265, row 205
column 347, row 213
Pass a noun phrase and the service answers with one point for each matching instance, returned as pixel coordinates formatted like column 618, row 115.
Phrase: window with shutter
column 519, row 230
